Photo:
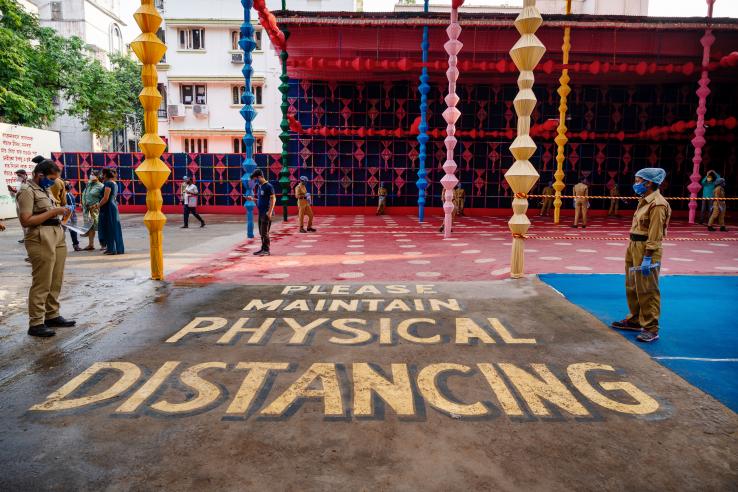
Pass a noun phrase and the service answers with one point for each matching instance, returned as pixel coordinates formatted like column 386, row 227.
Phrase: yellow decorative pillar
column 152, row 172
column 561, row 138
column 521, row 176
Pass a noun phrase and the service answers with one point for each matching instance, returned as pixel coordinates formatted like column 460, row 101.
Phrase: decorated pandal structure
column 612, row 94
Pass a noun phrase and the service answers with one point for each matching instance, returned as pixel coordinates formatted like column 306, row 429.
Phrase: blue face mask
column 640, row 188
column 46, row 183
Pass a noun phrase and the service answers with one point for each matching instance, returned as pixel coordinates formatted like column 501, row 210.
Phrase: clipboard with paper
column 72, row 223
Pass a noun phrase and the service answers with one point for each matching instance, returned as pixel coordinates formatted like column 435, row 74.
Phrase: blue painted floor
column 698, row 337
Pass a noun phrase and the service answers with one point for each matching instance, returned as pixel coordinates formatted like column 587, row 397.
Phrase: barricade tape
column 619, row 238
column 525, row 195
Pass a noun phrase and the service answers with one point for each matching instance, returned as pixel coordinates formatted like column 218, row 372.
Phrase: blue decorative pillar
column 423, row 88
column 248, row 45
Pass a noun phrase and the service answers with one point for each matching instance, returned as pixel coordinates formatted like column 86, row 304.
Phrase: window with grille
column 196, row 145
column 56, row 11
column 239, row 147
column 237, row 93
column 192, row 39
column 193, row 94
column 257, row 39
column 236, row 37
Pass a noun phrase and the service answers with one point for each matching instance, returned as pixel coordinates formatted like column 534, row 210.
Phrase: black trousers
column 191, row 210
column 265, row 223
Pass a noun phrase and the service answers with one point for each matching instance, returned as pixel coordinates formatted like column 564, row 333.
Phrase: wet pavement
column 394, row 385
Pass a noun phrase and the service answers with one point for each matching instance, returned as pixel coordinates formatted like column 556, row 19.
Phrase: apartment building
column 201, row 78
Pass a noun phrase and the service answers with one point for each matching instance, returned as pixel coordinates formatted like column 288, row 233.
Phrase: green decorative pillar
column 284, row 136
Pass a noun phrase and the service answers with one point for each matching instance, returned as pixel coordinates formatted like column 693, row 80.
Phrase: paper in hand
column 81, row 228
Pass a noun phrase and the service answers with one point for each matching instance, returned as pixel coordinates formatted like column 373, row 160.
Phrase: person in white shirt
column 189, row 199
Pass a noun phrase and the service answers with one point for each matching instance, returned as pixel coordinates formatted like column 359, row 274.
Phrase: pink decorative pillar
column 451, row 115
column 699, row 132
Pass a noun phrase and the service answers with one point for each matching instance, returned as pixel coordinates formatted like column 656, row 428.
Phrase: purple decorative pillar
column 451, row 115
column 699, row 132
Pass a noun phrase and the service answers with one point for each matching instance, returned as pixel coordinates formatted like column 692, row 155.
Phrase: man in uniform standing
column 581, row 204
column 547, row 202
column 459, row 197
column 613, row 211
column 382, row 194
column 718, row 206
column 265, row 204
column 304, row 204
column 650, row 221
column 39, row 214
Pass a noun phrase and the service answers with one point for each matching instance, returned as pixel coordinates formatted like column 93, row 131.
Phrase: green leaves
column 38, row 67
column 103, row 98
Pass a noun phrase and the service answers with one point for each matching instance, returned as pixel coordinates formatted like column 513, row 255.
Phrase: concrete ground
column 399, row 383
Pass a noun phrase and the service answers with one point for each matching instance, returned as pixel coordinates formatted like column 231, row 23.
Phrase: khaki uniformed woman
column 304, row 205
column 40, row 215
column 650, row 221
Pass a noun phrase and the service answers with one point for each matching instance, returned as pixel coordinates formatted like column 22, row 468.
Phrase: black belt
column 638, row 238
column 51, row 222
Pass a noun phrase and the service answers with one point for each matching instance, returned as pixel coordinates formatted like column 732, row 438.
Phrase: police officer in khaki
column 304, row 205
column 581, row 203
column 650, row 221
column 459, row 199
column 40, row 214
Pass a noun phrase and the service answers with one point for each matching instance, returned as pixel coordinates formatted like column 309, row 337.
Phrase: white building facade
column 98, row 24
column 589, row 7
column 201, row 78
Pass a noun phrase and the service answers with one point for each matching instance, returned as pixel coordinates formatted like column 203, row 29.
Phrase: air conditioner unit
column 237, row 58
column 176, row 110
column 200, row 110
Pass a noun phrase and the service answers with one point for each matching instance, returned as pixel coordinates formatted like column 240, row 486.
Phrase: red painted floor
column 360, row 248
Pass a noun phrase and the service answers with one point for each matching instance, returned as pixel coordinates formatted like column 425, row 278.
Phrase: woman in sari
column 109, row 228
column 91, row 197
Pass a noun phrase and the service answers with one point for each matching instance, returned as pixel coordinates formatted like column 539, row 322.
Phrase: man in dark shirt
column 265, row 202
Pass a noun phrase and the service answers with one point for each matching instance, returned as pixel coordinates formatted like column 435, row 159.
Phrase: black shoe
column 257, row 253
column 710, row 228
column 574, row 226
column 310, row 229
column 264, row 253
column 626, row 324
column 42, row 331
column 584, row 227
column 723, row 229
column 202, row 225
column 303, row 230
column 60, row 322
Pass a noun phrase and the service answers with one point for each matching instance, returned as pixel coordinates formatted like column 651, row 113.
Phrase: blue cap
column 304, row 178
column 652, row 174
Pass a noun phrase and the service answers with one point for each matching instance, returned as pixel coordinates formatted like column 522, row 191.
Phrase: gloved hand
column 646, row 265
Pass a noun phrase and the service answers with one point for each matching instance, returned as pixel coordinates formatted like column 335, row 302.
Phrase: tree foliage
column 38, row 67
column 104, row 99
